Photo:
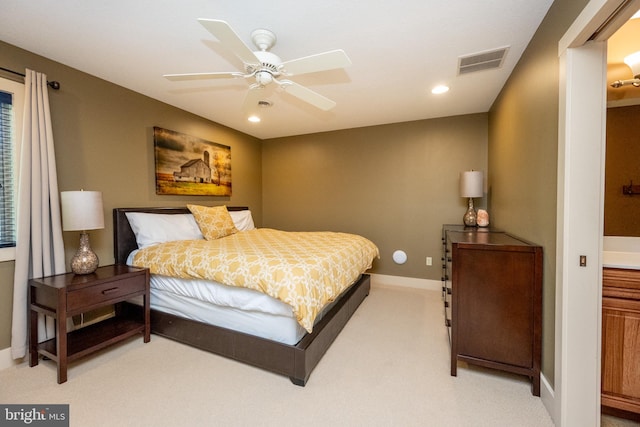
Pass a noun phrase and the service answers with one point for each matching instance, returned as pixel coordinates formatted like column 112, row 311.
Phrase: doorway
column 581, row 147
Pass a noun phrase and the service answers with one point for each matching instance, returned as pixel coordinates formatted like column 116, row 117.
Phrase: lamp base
column 470, row 217
column 85, row 261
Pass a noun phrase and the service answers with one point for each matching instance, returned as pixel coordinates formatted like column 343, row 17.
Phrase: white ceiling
column 399, row 51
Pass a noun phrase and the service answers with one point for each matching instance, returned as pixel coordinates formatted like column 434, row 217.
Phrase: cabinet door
column 493, row 296
column 621, row 353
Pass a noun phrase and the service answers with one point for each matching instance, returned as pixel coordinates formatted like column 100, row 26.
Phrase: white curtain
column 39, row 246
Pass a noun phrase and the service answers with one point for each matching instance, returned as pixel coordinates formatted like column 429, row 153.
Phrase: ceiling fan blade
column 319, row 62
column 255, row 94
column 307, row 95
column 223, row 32
column 202, row 76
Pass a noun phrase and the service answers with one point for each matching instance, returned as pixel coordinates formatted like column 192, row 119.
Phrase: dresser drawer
column 96, row 294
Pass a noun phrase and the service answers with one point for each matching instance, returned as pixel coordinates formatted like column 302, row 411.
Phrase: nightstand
column 65, row 295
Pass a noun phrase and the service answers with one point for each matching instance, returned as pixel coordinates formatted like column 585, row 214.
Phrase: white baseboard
column 548, row 397
column 405, row 282
column 6, row 361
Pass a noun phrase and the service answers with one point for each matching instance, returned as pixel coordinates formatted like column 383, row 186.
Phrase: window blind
column 7, row 203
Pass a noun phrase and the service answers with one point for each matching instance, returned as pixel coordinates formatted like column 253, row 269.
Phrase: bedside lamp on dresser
column 471, row 185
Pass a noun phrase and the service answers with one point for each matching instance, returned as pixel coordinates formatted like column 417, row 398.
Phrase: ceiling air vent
column 482, row 61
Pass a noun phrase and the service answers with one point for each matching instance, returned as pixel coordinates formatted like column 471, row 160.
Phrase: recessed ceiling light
column 440, row 89
column 254, row 119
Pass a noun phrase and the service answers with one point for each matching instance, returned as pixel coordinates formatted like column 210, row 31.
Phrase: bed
column 293, row 359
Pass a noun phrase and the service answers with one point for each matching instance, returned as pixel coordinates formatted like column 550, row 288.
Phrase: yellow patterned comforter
column 305, row 270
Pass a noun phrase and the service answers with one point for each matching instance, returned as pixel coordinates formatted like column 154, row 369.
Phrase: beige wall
column 104, row 141
column 523, row 147
column 622, row 212
column 395, row 184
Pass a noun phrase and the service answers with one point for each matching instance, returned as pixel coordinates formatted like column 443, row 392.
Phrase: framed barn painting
column 188, row 165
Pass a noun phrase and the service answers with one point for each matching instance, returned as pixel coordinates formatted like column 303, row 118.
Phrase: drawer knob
column 109, row 291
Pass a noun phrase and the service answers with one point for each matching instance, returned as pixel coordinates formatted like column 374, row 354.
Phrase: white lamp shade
column 633, row 61
column 471, row 184
column 81, row 210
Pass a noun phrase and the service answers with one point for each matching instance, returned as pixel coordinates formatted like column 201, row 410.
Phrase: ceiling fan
column 267, row 68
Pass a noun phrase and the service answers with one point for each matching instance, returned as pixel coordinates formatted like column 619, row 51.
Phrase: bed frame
column 295, row 361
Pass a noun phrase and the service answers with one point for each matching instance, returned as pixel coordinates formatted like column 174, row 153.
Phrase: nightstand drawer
column 96, row 294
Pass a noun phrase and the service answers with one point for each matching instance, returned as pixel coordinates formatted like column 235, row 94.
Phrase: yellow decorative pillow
column 214, row 222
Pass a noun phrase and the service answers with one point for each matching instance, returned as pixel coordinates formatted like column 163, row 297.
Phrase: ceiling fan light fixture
column 633, row 61
column 263, row 78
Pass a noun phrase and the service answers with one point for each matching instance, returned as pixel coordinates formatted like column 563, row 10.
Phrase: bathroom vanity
column 621, row 327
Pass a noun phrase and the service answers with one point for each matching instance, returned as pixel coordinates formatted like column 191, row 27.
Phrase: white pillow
column 151, row 229
column 242, row 220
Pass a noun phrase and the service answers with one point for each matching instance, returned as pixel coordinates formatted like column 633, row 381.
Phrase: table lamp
column 82, row 211
column 471, row 185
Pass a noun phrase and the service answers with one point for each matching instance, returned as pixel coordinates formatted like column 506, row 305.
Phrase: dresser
column 621, row 341
column 492, row 292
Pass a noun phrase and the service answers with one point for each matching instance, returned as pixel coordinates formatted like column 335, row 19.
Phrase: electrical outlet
column 429, row 261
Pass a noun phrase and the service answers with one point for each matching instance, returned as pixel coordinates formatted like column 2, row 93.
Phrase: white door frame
column 581, row 155
column 580, row 229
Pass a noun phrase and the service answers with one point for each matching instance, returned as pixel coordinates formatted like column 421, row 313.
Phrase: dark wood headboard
column 124, row 241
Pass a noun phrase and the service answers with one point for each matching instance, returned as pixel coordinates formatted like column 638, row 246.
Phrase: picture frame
column 189, row 165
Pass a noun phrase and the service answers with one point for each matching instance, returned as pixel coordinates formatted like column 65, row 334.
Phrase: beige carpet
column 389, row 367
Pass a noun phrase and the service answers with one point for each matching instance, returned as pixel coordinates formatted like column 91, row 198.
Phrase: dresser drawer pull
column 110, row 291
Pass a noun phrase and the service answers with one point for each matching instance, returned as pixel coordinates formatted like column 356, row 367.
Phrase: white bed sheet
column 221, row 295
column 243, row 310
column 282, row 329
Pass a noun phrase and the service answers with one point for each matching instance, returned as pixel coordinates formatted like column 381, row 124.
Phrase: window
column 11, row 105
